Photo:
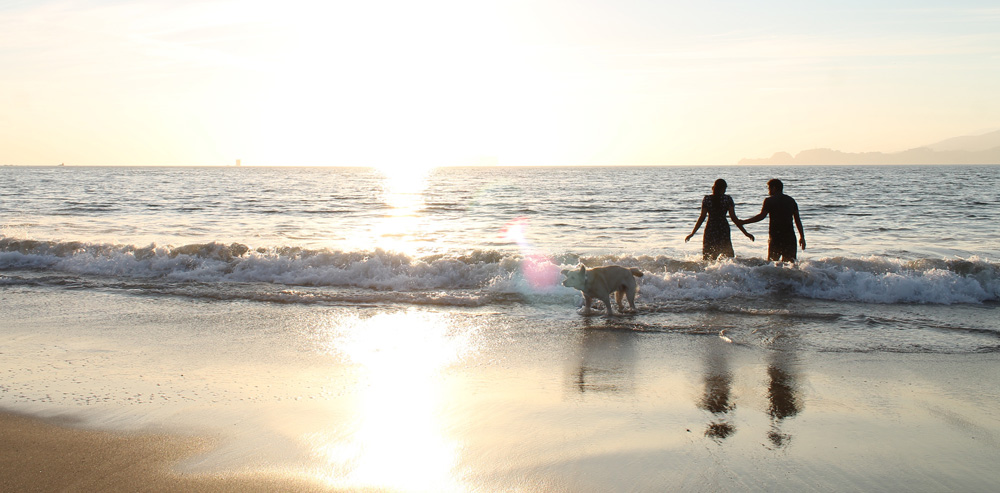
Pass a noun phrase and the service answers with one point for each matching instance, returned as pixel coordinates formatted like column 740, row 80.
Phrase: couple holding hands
column 781, row 209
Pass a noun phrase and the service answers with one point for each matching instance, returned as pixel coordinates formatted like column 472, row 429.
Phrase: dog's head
column 576, row 279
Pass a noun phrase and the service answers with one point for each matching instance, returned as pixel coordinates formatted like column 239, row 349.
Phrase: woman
column 716, row 242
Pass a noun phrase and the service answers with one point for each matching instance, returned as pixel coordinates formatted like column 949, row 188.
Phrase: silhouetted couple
column 781, row 208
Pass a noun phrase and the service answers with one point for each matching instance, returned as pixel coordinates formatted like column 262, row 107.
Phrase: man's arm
column 758, row 217
column 798, row 224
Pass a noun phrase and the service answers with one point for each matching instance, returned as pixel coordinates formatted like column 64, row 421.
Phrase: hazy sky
column 537, row 82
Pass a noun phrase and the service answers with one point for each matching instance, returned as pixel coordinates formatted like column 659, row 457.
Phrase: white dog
column 600, row 282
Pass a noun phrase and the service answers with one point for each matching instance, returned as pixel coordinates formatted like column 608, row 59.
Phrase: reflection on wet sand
column 781, row 391
column 717, row 397
column 782, row 387
column 396, row 440
column 607, row 360
column 782, row 394
column 607, row 364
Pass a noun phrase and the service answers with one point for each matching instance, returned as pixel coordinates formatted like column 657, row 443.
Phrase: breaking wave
column 481, row 277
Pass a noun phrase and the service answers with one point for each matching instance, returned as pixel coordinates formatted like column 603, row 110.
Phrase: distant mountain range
column 977, row 149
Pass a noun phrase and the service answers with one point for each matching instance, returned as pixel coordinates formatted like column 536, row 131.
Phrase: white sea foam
column 483, row 276
column 864, row 280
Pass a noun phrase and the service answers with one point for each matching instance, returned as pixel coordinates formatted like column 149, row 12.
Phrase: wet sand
column 169, row 395
column 51, row 455
column 849, row 429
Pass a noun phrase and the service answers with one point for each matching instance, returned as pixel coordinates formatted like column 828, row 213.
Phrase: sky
column 534, row 82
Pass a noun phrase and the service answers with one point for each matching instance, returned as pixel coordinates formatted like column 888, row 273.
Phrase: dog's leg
column 607, row 305
column 618, row 300
column 631, row 297
column 586, row 304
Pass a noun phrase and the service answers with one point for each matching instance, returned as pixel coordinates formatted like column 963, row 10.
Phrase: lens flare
column 538, row 269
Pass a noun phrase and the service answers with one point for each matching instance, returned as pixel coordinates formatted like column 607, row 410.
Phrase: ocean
column 887, row 246
column 408, row 331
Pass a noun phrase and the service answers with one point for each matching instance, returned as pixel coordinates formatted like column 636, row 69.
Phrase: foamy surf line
column 488, row 276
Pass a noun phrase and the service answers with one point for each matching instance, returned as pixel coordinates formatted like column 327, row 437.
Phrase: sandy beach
column 128, row 394
column 53, row 456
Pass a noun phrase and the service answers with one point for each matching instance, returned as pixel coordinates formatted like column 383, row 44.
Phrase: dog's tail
column 635, row 272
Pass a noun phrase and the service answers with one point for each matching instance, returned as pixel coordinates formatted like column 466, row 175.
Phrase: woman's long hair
column 718, row 190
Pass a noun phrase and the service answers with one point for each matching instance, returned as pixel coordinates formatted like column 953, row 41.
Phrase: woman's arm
column 736, row 221
column 701, row 219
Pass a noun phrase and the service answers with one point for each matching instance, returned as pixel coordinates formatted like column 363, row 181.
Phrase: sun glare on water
column 403, row 192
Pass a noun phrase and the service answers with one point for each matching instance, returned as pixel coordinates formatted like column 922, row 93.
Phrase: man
column 781, row 236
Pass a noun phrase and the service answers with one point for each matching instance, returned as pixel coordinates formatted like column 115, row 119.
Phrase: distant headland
column 978, row 149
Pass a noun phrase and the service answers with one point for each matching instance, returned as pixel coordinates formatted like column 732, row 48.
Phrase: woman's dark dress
column 717, row 241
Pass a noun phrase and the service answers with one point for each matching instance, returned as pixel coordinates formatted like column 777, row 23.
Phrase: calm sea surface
column 920, row 212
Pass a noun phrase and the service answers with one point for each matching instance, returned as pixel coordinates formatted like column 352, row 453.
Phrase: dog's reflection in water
column 607, row 359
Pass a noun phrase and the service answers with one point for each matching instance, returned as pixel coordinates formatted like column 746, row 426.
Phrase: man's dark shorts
column 783, row 249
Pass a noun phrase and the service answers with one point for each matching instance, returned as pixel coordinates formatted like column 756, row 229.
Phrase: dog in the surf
column 600, row 282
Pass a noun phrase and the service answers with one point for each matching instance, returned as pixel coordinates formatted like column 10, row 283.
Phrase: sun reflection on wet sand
column 398, row 438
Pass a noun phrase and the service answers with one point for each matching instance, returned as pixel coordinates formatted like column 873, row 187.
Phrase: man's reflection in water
column 782, row 394
column 607, row 359
column 717, row 398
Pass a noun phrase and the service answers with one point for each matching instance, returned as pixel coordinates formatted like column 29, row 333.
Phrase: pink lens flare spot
column 539, row 271
column 514, row 231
